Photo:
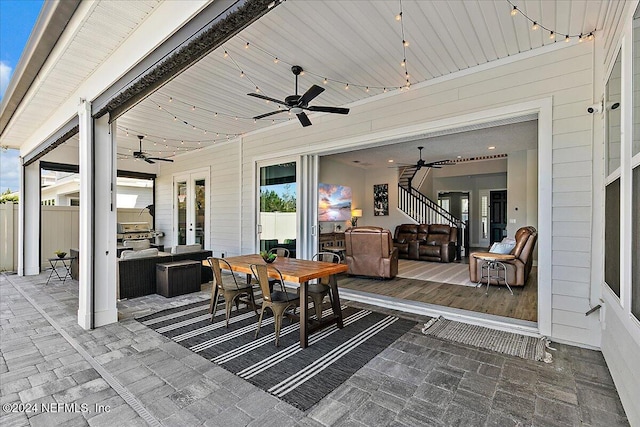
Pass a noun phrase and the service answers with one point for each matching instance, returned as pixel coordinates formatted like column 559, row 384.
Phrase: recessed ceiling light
column 390, row 160
column 492, row 148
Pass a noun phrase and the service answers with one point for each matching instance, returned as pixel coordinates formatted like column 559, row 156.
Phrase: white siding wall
column 564, row 74
column 223, row 192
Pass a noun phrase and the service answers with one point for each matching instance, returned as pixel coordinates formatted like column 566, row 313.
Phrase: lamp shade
column 356, row 213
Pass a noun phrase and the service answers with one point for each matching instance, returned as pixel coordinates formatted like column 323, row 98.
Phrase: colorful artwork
column 334, row 202
column 381, row 199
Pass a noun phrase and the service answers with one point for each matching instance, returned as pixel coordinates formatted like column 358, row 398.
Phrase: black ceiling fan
column 298, row 103
column 435, row 165
column 144, row 156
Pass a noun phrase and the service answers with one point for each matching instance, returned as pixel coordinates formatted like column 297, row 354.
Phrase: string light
column 552, row 33
column 325, row 80
column 276, row 60
column 246, row 46
column 346, row 86
column 405, row 43
column 226, row 54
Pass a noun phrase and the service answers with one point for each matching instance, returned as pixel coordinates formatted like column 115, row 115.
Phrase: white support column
column 97, row 293
column 29, row 221
column 105, row 217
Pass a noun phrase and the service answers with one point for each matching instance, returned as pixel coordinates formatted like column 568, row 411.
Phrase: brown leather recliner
column 517, row 269
column 370, row 252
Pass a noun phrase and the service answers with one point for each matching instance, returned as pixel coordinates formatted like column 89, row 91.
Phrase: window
column 612, row 236
column 635, row 244
column 484, row 215
column 635, row 176
column 613, row 115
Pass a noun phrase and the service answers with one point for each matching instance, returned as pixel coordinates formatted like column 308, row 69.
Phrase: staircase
column 423, row 210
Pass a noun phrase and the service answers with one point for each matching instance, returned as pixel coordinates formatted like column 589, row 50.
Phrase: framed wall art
column 381, row 199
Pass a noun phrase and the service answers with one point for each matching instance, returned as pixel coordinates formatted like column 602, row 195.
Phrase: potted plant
column 60, row 254
column 268, row 257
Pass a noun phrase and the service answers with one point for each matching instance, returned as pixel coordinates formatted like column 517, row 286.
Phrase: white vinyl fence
column 60, row 230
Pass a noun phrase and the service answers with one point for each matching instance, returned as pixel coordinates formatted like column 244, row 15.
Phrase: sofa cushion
column 182, row 249
column 137, row 245
column 502, row 248
column 142, row 253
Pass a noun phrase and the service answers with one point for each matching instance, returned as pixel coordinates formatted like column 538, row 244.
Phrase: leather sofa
column 370, row 252
column 517, row 269
column 426, row 242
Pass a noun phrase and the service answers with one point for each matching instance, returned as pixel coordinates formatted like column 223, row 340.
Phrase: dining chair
column 277, row 301
column 231, row 290
column 282, row 253
column 317, row 291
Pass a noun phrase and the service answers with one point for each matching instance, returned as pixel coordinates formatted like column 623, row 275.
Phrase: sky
column 17, row 18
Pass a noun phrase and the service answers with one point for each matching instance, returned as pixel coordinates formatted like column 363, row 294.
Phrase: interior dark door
column 498, row 215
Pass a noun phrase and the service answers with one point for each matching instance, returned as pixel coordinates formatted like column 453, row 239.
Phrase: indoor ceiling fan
column 298, row 103
column 144, row 156
column 436, row 165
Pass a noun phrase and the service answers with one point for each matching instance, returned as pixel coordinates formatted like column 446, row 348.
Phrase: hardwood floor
column 523, row 304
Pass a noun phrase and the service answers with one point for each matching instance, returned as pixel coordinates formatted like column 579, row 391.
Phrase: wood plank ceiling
column 354, row 42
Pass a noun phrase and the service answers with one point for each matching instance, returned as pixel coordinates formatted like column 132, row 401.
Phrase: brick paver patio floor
column 53, row 373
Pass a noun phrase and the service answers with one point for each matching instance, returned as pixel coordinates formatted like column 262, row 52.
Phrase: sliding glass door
column 278, row 198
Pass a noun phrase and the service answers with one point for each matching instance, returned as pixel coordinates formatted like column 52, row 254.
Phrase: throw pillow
column 502, row 248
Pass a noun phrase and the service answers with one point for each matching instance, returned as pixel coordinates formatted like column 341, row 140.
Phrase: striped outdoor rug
column 298, row 376
column 523, row 346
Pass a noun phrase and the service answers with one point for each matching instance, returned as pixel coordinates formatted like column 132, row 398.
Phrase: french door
column 191, row 208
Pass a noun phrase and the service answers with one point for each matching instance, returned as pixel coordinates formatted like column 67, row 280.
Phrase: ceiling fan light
column 296, row 110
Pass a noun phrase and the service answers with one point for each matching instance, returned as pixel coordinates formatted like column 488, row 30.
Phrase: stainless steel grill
column 135, row 231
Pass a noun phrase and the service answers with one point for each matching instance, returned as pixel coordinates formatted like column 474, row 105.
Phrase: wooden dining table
column 298, row 271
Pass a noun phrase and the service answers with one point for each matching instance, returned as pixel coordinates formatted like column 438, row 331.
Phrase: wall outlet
column 512, row 221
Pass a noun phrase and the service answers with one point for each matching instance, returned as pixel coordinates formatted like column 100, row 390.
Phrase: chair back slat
column 215, row 264
column 260, row 273
column 281, row 252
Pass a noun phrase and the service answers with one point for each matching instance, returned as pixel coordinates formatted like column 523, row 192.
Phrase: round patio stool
column 493, row 264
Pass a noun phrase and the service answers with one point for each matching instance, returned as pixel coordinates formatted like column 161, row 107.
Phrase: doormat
column 523, row 346
column 301, row 377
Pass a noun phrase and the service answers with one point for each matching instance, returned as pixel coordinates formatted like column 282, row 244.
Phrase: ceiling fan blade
column 262, row 116
column 313, row 91
column 304, row 120
column 336, row 110
column 160, row 158
column 149, row 160
column 257, row 95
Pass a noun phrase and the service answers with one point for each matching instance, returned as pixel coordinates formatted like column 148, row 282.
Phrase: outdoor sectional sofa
column 137, row 270
column 426, row 242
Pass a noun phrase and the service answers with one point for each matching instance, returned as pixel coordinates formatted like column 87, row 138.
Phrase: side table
column 66, row 263
column 493, row 264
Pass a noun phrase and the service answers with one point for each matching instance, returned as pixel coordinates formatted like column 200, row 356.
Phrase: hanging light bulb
column 552, row 35
column 276, row 60
column 226, row 54
column 164, row 139
column 367, row 89
column 170, row 99
column 535, row 26
column 241, row 73
column 193, row 108
column 246, row 46
column 257, row 89
column 346, row 87
column 405, row 43
column 159, row 107
column 399, row 16
column 590, row 36
column 215, row 114
column 403, row 63
column 580, row 40
column 514, row 11
column 566, row 39
column 384, row 90
column 175, row 118
column 325, row 80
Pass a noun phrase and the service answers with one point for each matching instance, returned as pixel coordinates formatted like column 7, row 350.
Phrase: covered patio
column 226, row 102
